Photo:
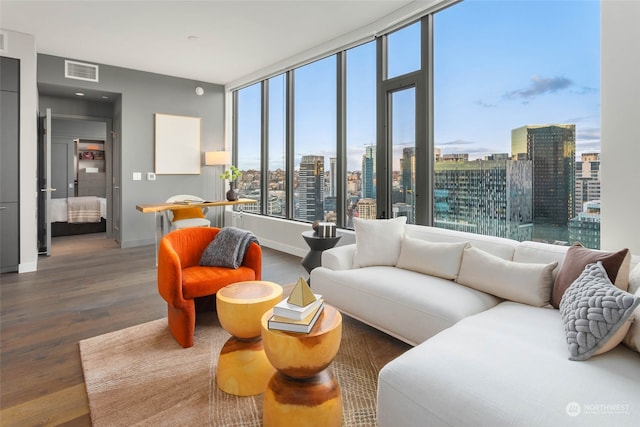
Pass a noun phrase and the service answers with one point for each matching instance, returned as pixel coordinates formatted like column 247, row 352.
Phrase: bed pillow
column 617, row 265
column 433, row 258
column 632, row 338
column 596, row 314
column 187, row 213
column 522, row 282
column 378, row 241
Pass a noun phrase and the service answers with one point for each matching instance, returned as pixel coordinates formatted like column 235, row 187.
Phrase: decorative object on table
column 314, row 226
column 301, row 326
column 299, row 312
column 232, row 175
column 326, row 229
column 301, row 294
column 292, row 310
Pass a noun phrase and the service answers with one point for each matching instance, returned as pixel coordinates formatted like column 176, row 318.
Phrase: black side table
column 317, row 245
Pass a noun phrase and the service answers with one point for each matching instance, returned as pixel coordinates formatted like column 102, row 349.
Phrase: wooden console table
column 159, row 208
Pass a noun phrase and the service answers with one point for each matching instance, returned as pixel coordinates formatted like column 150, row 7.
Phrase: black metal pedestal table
column 317, row 245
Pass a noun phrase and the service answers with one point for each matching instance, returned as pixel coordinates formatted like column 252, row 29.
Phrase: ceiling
column 210, row 41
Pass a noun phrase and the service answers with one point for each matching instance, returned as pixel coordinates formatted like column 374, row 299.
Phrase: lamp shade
column 213, row 158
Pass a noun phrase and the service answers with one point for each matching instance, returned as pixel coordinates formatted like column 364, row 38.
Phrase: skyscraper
column 587, row 180
column 552, row 150
column 369, row 172
column 311, row 188
column 491, row 197
column 333, row 177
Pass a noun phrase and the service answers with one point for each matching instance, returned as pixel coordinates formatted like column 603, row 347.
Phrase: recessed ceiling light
column 79, row 94
column 104, row 97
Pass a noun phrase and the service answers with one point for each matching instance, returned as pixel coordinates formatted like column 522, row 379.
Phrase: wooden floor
column 87, row 287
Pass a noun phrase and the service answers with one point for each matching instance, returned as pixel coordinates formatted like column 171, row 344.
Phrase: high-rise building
column 333, row 177
column 585, row 228
column 587, row 180
column 491, row 197
column 367, row 208
column 369, row 172
column 311, row 188
column 552, row 150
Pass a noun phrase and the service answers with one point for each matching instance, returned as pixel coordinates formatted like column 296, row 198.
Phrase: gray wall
column 142, row 95
column 74, row 107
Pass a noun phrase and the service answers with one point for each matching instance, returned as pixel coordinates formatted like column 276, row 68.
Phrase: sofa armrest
column 339, row 258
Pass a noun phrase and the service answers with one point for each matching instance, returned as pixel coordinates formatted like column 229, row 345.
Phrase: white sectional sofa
column 489, row 352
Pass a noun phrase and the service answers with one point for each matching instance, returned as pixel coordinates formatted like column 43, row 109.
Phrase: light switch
column 137, row 176
column 151, row 176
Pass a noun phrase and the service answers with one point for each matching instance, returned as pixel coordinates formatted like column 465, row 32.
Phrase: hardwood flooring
column 87, row 287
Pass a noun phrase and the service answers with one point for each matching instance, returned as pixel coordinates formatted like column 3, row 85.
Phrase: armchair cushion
column 197, row 281
column 187, row 213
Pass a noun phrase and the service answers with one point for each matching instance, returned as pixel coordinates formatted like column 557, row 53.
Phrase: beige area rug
column 141, row 376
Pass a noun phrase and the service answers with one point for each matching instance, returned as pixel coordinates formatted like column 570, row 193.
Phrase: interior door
column 115, row 180
column 63, row 175
column 44, row 182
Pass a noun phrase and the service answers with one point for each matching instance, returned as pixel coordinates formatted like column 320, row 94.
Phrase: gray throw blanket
column 228, row 248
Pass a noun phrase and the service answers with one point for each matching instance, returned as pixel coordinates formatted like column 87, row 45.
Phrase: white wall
column 620, row 89
column 22, row 46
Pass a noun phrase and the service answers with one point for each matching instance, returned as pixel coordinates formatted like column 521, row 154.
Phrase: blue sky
column 498, row 65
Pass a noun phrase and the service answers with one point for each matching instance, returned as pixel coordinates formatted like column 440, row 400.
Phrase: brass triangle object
column 302, row 295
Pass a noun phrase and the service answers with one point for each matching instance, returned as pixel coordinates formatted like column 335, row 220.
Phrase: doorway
column 76, row 164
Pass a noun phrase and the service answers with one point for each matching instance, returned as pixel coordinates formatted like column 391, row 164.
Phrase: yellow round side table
column 303, row 392
column 243, row 368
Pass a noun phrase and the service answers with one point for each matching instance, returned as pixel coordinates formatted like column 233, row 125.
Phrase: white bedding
column 59, row 209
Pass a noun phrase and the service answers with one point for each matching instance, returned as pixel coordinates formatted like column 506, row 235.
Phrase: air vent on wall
column 80, row 71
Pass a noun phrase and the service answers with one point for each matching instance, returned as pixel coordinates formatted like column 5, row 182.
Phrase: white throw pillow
column 378, row 241
column 632, row 338
column 527, row 283
column 433, row 258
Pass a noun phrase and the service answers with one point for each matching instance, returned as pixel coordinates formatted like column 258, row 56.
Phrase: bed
column 78, row 215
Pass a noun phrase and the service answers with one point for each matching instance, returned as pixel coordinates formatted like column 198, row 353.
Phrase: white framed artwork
column 177, row 144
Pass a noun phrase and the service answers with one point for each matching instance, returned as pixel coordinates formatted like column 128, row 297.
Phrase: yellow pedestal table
column 303, row 392
column 243, row 368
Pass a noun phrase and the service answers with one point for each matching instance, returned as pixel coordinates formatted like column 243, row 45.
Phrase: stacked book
column 299, row 312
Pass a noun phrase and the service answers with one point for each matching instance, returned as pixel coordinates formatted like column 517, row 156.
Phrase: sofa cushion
column 615, row 263
column 407, row 305
column 378, row 241
column 632, row 339
column 433, row 258
column 596, row 314
column 528, row 283
column 506, row 366
column 497, row 246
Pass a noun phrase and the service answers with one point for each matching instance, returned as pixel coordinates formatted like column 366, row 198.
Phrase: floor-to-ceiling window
column 360, row 85
column 315, row 141
column 277, row 149
column 248, row 143
column 483, row 116
column 517, row 119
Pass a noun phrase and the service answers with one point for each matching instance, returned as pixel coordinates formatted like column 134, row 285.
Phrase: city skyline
column 493, row 71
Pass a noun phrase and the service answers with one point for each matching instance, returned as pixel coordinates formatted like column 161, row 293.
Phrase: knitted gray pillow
column 593, row 310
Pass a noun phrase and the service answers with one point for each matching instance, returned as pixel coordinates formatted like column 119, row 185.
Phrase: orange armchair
column 181, row 279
